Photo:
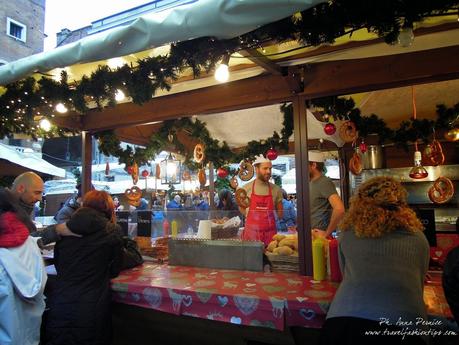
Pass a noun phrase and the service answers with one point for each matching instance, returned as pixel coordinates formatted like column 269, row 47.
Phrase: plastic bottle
column 335, row 272
column 174, row 228
column 166, row 227
column 318, row 259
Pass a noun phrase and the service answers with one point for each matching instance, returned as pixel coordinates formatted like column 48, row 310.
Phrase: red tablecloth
column 275, row 300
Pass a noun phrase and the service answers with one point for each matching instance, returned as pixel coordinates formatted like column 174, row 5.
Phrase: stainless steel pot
column 373, row 157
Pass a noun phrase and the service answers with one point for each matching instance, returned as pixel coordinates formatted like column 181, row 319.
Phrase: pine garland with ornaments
column 215, row 152
column 409, row 131
column 219, row 153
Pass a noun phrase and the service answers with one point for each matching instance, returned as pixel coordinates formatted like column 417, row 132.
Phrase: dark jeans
column 353, row 331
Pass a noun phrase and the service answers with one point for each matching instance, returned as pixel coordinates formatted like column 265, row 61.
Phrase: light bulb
column 418, row 171
column 222, row 73
column 406, row 36
column 119, row 95
column 61, row 108
column 45, row 124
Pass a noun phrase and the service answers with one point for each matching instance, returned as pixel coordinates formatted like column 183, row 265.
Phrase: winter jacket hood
column 25, row 268
column 86, row 221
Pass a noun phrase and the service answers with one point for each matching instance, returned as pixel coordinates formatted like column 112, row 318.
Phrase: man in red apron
column 265, row 200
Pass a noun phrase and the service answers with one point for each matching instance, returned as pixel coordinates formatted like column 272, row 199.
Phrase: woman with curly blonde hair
column 384, row 257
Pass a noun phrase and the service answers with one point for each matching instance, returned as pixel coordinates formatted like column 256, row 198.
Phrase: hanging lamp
column 417, row 171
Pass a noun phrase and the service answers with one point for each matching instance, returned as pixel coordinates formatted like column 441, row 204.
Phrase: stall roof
column 250, row 85
column 23, row 161
column 217, row 18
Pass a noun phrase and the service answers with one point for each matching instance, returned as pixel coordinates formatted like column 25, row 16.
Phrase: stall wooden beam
column 382, row 72
column 86, row 167
column 261, row 60
column 242, row 94
column 321, row 79
column 302, row 185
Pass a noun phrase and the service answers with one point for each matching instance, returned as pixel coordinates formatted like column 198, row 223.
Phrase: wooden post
column 343, row 176
column 302, row 185
column 86, row 167
column 211, row 187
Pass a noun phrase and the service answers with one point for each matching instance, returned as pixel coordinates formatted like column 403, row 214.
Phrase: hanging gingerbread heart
column 158, row 171
column 134, row 173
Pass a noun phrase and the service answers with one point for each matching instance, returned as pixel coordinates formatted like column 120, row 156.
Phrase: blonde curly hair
column 378, row 207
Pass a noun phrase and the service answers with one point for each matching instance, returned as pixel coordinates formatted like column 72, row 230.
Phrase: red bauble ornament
column 330, row 129
column 272, row 154
column 222, row 173
column 130, row 170
column 363, row 147
column 145, row 173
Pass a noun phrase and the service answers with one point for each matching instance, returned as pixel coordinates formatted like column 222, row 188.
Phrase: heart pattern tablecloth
column 274, row 300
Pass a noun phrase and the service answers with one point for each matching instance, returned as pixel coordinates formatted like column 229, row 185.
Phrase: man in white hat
column 265, row 200
column 327, row 208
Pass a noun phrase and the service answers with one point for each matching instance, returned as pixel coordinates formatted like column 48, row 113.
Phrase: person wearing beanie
column 327, row 208
column 265, row 204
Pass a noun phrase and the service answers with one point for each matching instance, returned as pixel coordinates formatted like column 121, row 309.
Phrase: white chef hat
column 260, row 159
column 316, row 156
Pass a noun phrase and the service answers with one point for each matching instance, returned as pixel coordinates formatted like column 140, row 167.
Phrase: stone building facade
column 22, row 24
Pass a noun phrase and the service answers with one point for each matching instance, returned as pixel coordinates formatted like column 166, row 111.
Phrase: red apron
column 260, row 224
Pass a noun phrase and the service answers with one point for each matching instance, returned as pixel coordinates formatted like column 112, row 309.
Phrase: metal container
column 221, row 254
column 373, row 157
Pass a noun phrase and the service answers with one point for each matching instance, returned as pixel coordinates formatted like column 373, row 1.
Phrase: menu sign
column 144, row 223
column 122, row 218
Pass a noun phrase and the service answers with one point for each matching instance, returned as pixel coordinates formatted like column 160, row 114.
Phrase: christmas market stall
column 290, row 76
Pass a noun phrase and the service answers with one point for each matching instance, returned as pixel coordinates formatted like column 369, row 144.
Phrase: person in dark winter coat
column 227, row 205
column 79, row 307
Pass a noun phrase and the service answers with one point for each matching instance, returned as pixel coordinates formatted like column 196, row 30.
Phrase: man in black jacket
column 26, row 190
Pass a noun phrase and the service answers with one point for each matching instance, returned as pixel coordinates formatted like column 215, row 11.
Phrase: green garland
column 216, row 152
column 220, row 154
column 24, row 99
column 409, row 131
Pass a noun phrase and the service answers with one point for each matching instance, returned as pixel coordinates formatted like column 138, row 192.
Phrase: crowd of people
column 89, row 250
column 383, row 254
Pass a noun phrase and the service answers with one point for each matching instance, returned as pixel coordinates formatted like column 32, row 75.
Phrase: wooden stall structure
column 367, row 65
column 350, row 66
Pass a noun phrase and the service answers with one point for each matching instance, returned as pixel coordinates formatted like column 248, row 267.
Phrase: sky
column 73, row 14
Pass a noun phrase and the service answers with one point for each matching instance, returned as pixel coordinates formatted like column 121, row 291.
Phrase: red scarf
column 13, row 232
